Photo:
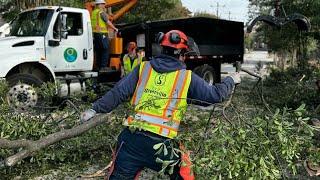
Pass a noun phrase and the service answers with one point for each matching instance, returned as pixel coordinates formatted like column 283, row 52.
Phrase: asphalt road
column 255, row 61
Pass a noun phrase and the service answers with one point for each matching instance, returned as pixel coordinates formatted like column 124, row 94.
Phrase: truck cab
column 64, row 49
column 45, row 44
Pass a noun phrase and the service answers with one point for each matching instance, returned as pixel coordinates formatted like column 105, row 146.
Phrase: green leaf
column 301, row 108
column 158, row 160
column 171, row 170
column 165, row 150
column 157, row 146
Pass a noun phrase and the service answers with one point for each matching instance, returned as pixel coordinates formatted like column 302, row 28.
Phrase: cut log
column 31, row 147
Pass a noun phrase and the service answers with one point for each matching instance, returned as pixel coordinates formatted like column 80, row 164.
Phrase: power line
column 217, row 8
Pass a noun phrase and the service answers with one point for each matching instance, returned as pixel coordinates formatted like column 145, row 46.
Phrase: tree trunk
column 31, row 147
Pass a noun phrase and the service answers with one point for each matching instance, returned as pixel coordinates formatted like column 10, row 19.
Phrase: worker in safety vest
column 131, row 59
column 165, row 83
column 100, row 24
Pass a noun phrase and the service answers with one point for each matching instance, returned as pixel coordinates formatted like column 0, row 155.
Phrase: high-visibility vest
column 97, row 23
column 127, row 63
column 160, row 100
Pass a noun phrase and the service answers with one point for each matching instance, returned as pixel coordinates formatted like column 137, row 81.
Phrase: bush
column 256, row 144
column 261, row 147
column 292, row 87
column 34, row 125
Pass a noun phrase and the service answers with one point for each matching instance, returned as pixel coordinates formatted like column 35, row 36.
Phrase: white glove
column 87, row 115
column 236, row 77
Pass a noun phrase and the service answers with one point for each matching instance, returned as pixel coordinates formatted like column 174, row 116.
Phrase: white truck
column 46, row 44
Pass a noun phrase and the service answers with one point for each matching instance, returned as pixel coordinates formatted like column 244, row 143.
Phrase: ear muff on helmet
column 174, row 38
column 159, row 37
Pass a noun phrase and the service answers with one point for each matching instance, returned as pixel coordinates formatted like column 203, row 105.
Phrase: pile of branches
column 254, row 142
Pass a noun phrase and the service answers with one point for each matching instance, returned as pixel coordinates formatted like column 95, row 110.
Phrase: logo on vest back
column 160, row 79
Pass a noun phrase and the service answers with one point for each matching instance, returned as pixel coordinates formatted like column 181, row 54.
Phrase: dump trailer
column 219, row 41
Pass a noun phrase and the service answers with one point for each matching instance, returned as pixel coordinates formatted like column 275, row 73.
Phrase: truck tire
column 207, row 73
column 22, row 94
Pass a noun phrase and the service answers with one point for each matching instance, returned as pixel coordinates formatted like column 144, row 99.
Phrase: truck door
column 73, row 52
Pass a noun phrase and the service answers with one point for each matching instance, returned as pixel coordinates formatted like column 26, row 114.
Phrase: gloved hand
column 87, row 115
column 236, row 77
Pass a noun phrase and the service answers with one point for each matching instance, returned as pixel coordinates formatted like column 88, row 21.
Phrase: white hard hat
column 100, row 2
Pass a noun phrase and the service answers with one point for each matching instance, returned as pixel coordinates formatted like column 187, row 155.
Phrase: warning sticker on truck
column 70, row 55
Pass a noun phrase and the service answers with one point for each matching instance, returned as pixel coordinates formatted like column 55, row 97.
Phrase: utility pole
column 217, row 8
column 229, row 15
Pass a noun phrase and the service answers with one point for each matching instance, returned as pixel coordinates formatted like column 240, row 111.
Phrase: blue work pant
column 135, row 152
column 101, row 49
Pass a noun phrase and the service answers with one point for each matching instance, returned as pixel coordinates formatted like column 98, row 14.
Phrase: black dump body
column 218, row 40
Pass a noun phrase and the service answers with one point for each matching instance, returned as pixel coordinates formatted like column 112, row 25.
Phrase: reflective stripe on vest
column 174, row 98
column 127, row 63
column 97, row 23
column 160, row 100
column 144, row 76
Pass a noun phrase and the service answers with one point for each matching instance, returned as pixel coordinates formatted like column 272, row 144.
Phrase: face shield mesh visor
column 193, row 48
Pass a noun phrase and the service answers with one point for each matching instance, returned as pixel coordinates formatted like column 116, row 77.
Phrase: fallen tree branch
column 31, row 147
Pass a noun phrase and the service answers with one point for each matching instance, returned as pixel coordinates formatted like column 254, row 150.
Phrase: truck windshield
column 32, row 23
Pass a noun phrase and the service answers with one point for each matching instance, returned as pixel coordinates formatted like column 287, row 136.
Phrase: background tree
column 204, row 14
column 144, row 10
column 10, row 8
column 288, row 42
column 147, row 10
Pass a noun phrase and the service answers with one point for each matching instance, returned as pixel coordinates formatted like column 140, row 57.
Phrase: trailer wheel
column 22, row 94
column 207, row 73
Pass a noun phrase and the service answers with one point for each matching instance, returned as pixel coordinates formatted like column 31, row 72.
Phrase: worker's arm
column 121, row 92
column 201, row 90
column 122, row 66
column 104, row 16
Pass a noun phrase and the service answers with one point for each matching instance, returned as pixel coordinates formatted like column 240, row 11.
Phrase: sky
column 238, row 8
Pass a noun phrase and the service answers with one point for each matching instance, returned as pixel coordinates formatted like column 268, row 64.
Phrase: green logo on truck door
column 70, row 55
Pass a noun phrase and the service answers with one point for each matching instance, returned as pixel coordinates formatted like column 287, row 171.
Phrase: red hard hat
column 174, row 38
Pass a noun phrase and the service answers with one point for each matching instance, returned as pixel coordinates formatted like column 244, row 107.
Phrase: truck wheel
column 207, row 73
column 22, row 94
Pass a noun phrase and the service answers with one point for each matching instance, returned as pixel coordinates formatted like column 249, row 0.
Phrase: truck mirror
column 64, row 31
column 64, row 21
column 64, row 34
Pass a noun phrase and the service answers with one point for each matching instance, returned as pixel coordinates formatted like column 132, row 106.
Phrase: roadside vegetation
column 267, row 133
